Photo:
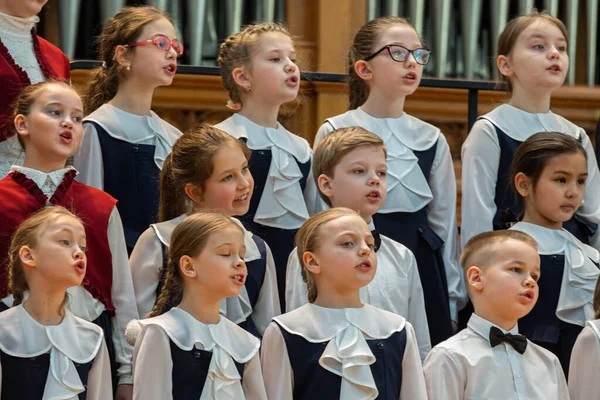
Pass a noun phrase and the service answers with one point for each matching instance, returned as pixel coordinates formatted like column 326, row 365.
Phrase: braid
column 172, row 291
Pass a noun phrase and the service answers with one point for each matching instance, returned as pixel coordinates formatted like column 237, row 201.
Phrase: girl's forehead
column 161, row 26
column 402, row 34
column 541, row 28
column 58, row 94
column 270, row 41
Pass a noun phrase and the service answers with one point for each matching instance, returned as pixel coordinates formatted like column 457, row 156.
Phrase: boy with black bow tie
column 349, row 167
column 489, row 359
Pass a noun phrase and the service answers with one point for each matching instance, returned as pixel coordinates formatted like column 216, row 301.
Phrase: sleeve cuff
column 126, row 379
column 453, row 311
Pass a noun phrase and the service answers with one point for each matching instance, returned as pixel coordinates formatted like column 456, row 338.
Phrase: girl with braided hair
column 258, row 68
column 190, row 351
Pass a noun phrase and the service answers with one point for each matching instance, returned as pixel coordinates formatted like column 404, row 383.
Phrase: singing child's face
column 53, row 128
column 22, row 8
column 538, row 59
column 391, row 77
column 345, row 258
column 273, row 76
column 506, row 289
column 229, row 188
column 220, row 266
column 59, row 254
column 559, row 191
column 359, row 181
column 150, row 65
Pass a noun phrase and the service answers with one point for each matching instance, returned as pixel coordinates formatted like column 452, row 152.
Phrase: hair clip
column 233, row 106
column 104, row 65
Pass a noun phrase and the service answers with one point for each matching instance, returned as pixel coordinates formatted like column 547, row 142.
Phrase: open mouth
column 364, row 266
column 239, row 278
column 411, row 76
column 242, row 198
column 555, row 68
column 292, row 80
column 375, row 195
column 527, row 296
column 80, row 267
column 171, row 69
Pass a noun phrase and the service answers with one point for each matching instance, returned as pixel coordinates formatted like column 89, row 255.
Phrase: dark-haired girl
column 549, row 174
column 191, row 351
column 125, row 142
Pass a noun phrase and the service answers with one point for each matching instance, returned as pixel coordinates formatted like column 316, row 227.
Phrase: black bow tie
column 377, row 239
column 518, row 342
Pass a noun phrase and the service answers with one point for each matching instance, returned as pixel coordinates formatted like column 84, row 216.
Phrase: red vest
column 13, row 78
column 21, row 197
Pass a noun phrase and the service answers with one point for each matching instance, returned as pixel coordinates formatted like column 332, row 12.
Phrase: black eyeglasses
column 401, row 53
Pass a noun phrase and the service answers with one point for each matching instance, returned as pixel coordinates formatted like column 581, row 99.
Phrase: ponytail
column 173, row 200
column 103, row 87
column 172, row 291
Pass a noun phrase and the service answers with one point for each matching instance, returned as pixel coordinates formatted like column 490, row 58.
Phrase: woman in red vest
column 25, row 59
column 48, row 120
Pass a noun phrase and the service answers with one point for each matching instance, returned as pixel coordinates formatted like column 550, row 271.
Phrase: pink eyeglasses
column 162, row 42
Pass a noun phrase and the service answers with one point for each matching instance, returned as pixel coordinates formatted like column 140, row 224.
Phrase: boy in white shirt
column 489, row 359
column 349, row 166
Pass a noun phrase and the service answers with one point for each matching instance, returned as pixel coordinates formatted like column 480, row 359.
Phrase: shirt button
column 518, row 376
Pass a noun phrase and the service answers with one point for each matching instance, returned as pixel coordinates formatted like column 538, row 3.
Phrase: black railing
column 473, row 87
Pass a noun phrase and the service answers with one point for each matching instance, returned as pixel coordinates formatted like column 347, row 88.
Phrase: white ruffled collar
column 17, row 25
column 40, row 177
column 520, row 125
column 72, row 341
column 239, row 308
column 347, row 353
column 575, row 303
column 482, row 327
column 134, row 128
column 282, row 202
column 408, row 188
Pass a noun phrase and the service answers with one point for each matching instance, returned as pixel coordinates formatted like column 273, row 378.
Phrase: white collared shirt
column 396, row 288
column 282, row 203
column 82, row 303
column 408, row 189
column 349, row 328
column 585, row 364
column 467, row 367
column 72, row 341
column 47, row 182
column 575, row 302
column 121, row 125
column 153, row 364
column 147, row 261
column 481, row 160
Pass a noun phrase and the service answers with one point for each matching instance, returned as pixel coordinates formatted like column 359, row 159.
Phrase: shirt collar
column 318, row 324
column 17, row 25
column 40, row 177
column 482, row 327
column 520, row 125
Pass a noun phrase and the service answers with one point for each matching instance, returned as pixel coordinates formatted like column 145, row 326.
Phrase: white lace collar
column 520, row 125
column 347, row 353
column 17, row 25
column 225, row 340
column 408, row 188
column 575, row 303
column 482, row 327
column 282, row 202
column 40, row 177
column 72, row 341
column 239, row 308
column 134, row 128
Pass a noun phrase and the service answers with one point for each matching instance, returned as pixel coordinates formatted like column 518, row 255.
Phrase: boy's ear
column 503, row 64
column 475, row 278
column 522, row 184
column 311, row 263
column 363, row 70
column 241, row 78
column 193, row 192
column 186, row 265
column 324, row 185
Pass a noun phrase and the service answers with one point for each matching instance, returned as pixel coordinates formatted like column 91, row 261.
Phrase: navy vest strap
column 132, row 177
column 3, row 307
column 190, row 370
column 25, row 378
column 312, row 382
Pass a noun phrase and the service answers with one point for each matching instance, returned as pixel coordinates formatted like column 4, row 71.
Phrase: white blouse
column 15, row 34
column 481, row 160
column 281, row 204
column 467, row 367
column 347, row 353
column 83, row 304
column 585, row 364
column 396, row 288
column 147, row 262
column 153, row 365
column 72, row 341
column 121, row 125
column 575, row 303
column 408, row 189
